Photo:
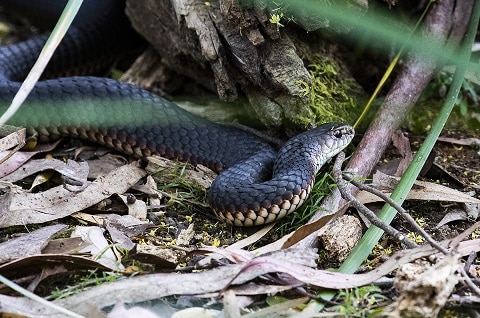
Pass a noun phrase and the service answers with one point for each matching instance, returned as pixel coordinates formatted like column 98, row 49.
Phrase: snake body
column 255, row 185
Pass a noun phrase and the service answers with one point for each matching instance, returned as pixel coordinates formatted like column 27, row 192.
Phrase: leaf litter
column 226, row 271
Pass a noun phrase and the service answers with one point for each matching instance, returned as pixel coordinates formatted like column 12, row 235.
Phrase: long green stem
column 373, row 234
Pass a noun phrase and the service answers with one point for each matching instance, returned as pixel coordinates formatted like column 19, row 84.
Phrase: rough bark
column 232, row 50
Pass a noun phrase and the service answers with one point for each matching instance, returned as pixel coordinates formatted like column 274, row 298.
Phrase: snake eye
column 337, row 134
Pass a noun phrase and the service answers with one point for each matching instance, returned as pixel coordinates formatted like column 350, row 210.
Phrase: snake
column 255, row 184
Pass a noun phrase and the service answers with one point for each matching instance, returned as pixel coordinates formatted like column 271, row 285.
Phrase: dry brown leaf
column 402, row 143
column 25, row 307
column 162, row 258
column 255, row 289
column 453, row 215
column 69, row 245
column 293, row 238
column 100, row 249
column 233, row 255
column 103, row 165
column 33, row 265
column 118, row 237
column 30, row 243
column 154, row 286
column 462, row 141
column 11, row 137
column 251, row 239
column 20, row 157
column 309, row 228
column 150, row 187
column 76, row 171
column 19, row 207
column 129, row 225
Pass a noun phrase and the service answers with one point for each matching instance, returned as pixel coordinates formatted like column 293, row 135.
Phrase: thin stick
column 342, row 186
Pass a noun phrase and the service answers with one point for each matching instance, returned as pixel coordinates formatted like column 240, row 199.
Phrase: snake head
column 331, row 138
column 310, row 150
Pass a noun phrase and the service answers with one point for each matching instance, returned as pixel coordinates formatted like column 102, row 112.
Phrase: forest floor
column 179, row 223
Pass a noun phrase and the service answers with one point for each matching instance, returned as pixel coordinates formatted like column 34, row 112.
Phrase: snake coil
column 256, row 185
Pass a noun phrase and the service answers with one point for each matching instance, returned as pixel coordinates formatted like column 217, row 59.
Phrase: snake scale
column 255, row 185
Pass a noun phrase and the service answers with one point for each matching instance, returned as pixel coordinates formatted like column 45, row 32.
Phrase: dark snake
column 255, row 185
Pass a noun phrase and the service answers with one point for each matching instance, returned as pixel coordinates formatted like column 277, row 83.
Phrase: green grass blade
column 38, row 299
column 56, row 36
column 373, row 234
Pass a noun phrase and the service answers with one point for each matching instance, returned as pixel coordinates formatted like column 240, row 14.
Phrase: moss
column 333, row 93
column 283, row 12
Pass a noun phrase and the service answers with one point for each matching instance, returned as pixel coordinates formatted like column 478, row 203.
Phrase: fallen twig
column 337, row 174
column 342, row 186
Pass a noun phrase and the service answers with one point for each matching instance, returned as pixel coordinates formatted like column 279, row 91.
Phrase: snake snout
column 334, row 138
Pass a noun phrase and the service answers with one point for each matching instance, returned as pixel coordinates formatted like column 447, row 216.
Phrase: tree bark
column 233, row 50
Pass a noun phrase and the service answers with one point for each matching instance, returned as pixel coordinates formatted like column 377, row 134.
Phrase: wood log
column 234, row 49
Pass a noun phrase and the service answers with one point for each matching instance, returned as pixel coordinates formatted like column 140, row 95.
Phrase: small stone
column 340, row 237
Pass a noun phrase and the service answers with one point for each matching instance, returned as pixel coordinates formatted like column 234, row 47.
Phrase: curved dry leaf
column 233, row 255
column 77, row 171
column 118, row 237
column 461, row 141
column 29, row 244
column 104, row 165
column 161, row 257
column 154, row 286
column 126, row 223
column 69, row 245
column 454, row 215
column 19, row 158
column 18, row 207
column 100, row 249
column 251, row 239
column 35, row 264
column 11, row 137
